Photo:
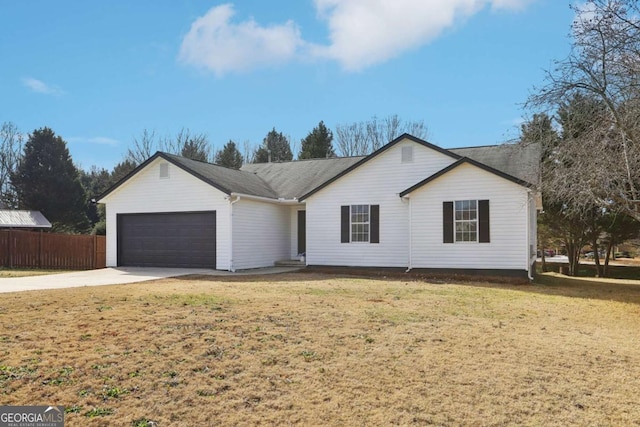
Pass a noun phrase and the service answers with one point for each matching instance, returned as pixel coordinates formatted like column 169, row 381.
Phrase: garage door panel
column 180, row 239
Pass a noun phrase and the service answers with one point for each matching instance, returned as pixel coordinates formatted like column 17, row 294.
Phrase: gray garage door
column 180, row 239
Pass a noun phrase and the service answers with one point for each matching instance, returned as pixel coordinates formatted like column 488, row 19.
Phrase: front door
column 302, row 232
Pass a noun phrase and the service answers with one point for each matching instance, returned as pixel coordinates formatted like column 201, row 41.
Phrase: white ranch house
column 409, row 205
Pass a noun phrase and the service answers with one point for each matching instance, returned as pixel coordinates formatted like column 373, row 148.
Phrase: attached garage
column 176, row 239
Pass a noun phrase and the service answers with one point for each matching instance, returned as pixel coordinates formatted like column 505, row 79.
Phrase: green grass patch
column 99, row 412
column 628, row 272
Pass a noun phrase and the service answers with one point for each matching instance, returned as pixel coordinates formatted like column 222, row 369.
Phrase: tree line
column 587, row 122
column 38, row 173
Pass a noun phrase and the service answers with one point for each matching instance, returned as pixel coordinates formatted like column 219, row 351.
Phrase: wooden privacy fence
column 33, row 249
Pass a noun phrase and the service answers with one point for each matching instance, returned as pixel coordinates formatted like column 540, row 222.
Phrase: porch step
column 289, row 263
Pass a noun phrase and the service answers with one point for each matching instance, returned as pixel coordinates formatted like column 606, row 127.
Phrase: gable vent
column 164, row 170
column 407, row 154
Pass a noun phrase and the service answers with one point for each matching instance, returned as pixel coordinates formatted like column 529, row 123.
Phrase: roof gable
column 462, row 161
column 517, row 160
column 378, row 152
column 224, row 179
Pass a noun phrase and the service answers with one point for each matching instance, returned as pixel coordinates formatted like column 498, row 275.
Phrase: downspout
column 410, row 263
column 529, row 241
column 231, row 268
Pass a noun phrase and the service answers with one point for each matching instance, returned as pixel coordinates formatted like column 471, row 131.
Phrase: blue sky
column 98, row 73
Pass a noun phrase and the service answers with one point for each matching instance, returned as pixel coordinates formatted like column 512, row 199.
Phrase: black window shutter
column 374, row 227
column 447, row 222
column 345, row 224
column 483, row 220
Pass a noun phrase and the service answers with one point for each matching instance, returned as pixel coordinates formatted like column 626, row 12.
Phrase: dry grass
column 314, row 349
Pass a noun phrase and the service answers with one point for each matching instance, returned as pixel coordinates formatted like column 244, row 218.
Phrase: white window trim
column 457, row 221
column 351, row 223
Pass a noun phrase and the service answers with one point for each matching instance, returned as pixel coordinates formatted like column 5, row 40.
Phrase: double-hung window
column 360, row 223
column 466, row 221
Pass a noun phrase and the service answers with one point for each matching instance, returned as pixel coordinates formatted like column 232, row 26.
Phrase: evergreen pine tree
column 276, row 144
column 229, row 156
column 317, row 144
column 48, row 181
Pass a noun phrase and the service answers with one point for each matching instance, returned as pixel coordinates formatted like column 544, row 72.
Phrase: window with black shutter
column 360, row 223
column 466, row 221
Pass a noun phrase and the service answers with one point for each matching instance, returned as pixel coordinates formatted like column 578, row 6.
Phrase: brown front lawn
column 316, row 349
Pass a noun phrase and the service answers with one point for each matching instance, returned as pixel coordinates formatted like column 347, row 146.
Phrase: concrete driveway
column 115, row 276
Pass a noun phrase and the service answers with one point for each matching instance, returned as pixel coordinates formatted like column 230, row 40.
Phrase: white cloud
column 367, row 32
column 361, row 33
column 221, row 46
column 41, row 87
column 100, row 140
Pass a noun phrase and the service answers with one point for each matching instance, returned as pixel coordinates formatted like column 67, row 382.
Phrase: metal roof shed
column 23, row 219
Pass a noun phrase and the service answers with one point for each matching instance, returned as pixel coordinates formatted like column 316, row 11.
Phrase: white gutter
column 279, row 201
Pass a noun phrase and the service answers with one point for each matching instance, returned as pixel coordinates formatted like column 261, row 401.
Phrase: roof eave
column 279, row 200
column 472, row 162
column 144, row 164
column 375, row 154
column 24, row 226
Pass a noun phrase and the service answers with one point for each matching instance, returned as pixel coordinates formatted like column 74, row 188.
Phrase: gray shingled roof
column 515, row 160
column 22, row 219
column 226, row 179
column 293, row 179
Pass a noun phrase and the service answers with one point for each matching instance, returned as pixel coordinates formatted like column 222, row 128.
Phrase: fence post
column 94, row 258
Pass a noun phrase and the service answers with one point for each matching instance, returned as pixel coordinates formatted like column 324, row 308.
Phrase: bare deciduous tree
column 577, row 158
column 194, row 146
column 604, row 65
column 143, row 147
column 352, row 139
column 11, row 144
column 248, row 151
column 191, row 145
column 362, row 138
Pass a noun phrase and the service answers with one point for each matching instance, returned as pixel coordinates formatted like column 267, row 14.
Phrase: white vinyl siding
column 261, row 233
column 509, row 219
column 146, row 192
column 376, row 182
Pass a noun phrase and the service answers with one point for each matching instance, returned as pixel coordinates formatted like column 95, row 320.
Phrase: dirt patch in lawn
column 316, row 349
